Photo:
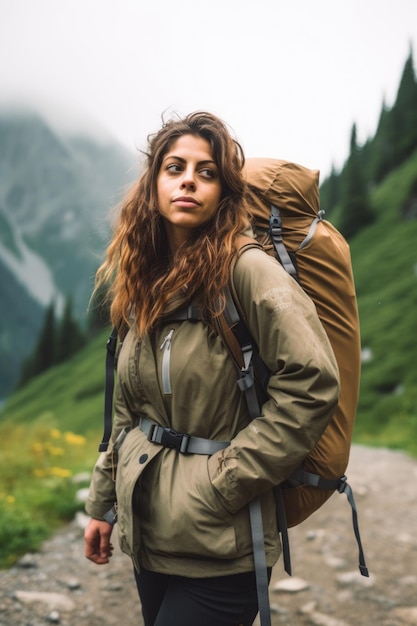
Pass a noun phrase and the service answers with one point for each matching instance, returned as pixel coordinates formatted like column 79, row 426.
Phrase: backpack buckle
column 169, row 438
column 342, row 484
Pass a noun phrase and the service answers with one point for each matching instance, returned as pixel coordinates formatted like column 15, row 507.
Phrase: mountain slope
column 385, row 266
column 56, row 192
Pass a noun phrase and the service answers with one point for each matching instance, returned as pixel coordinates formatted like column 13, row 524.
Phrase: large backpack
column 288, row 224
column 287, row 221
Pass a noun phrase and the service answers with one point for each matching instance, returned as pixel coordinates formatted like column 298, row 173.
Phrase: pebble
column 28, row 561
column 81, row 520
column 311, row 535
column 355, row 578
column 320, row 619
column 53, row 600
column 73, row 584
column 335, row 562
column 407, row 614
column 290, row 585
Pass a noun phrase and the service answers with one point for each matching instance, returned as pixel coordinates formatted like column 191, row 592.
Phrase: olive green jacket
column 187, row 514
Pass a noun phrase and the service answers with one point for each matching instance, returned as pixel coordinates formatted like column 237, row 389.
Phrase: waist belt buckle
column 169, row 438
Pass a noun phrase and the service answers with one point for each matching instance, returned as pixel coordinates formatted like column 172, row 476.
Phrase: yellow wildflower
column 60, row 472
column 54, row 451
column 74, row 439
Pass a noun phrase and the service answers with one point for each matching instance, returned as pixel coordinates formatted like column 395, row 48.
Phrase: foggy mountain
column 56, row 195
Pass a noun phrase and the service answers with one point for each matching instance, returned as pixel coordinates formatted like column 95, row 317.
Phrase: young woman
column 185, row 459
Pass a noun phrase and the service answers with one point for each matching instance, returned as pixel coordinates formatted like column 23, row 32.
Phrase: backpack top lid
column 289, row 186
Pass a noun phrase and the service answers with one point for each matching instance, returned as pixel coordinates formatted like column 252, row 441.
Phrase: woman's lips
column 186, row 201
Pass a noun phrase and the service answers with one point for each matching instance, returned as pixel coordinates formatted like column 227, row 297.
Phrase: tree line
column 61, row 337
column 394, row 141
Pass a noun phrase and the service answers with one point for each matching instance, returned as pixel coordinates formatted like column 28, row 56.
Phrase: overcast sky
column 289, row 77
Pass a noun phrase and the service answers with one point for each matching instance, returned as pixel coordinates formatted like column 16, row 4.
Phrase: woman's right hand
column 98, row 547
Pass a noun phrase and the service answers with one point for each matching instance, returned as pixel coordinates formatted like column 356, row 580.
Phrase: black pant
column 180, row 601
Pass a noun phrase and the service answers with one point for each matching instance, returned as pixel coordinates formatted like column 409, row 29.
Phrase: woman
column 183, row 516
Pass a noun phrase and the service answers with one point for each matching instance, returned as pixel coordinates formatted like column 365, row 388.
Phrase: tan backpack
column 288, row 223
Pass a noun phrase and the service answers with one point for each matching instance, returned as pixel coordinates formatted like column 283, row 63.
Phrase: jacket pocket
column 188, row 518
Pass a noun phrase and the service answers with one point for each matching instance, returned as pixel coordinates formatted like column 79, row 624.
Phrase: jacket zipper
column 166, row 363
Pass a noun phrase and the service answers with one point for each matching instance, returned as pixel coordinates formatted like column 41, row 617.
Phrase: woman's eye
column 174, row 168
column 207, row 173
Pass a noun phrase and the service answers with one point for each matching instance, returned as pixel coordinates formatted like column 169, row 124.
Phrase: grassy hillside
column 68, row 397
column 385, row 265
column 50, row 433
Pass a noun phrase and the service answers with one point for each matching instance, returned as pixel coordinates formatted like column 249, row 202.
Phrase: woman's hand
column 98, row 547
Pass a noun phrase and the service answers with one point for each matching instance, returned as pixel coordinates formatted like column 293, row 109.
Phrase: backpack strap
column 108, row 389
column 301, row 477
column 281, row 252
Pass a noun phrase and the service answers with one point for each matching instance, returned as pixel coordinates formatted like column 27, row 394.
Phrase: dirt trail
column 59, row 586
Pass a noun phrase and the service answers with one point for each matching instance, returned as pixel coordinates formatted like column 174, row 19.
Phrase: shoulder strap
column 281, row 252
column 108, row 389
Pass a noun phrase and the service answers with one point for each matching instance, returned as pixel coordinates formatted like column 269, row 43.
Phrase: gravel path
column 59, row 586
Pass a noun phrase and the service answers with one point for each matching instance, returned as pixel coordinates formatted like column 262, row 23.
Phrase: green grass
column 50, row 432
column 385, row 266
column 39, row 465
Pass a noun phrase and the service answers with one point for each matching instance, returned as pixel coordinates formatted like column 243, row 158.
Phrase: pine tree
column 44, row 353
column 99, row 313
column 330, row 191
column 396, row 134
column 405, row 111
column 356, row 210
column 69, row 335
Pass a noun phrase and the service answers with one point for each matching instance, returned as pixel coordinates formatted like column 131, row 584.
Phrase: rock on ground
column 59, row 586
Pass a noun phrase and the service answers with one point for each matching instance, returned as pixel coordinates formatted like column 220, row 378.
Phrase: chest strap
column 181, row 442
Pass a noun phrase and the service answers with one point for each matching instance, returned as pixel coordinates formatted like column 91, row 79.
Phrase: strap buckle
column 169, row 438
column 343, row 484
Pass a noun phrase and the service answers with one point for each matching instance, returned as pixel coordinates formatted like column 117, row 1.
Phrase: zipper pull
column 167, row 341
column 166, row 363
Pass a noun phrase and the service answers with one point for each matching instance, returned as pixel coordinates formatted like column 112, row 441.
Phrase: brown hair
column 142, row 273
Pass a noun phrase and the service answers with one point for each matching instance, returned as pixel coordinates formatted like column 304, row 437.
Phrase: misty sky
column 290, row 78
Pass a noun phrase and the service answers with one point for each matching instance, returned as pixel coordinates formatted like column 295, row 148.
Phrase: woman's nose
column 188, row 180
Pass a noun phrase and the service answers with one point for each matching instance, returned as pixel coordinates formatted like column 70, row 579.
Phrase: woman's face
column 188, row 187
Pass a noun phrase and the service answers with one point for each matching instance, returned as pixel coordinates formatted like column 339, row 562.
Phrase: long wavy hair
column 141, row 272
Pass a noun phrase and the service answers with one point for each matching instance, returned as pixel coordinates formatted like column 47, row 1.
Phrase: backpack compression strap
column 301, row 477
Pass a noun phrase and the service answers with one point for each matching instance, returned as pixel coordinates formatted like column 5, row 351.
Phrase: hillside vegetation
column 384, row 259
